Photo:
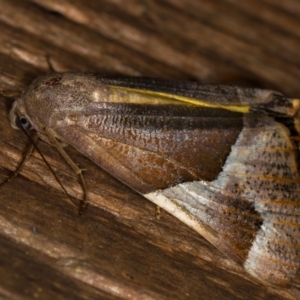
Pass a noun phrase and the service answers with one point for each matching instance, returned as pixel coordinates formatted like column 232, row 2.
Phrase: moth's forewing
column 214, row 157
column 155, row 147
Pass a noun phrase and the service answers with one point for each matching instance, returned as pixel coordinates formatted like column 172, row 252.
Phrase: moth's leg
column 22, row 162
column 10, row 93
column 53, row 141
column 157, row 212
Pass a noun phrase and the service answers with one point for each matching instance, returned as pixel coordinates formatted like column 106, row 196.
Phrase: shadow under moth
column 224, row 160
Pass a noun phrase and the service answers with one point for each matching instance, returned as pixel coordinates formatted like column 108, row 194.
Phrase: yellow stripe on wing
column 154, row 97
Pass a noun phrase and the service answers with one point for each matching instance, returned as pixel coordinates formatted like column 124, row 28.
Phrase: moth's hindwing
column 253, row 204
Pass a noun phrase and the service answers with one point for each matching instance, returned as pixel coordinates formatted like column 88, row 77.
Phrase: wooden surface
column 118, row 249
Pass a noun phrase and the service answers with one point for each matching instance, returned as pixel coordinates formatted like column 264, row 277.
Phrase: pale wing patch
column 253, row 205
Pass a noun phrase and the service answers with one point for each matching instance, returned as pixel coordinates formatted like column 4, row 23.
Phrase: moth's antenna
column 50, row 65
column 34, row 145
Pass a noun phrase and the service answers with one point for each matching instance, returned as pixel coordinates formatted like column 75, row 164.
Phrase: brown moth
column 224, row 160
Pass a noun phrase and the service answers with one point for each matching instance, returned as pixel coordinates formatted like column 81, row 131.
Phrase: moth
column 223, row 160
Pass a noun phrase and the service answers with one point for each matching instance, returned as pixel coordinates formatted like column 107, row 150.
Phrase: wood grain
column 118, row 249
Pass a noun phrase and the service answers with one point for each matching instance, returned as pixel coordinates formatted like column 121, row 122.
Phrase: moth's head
column 34, row 108
column 51, row 97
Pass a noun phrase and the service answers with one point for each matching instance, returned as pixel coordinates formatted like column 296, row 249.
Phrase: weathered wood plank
column 118, row 249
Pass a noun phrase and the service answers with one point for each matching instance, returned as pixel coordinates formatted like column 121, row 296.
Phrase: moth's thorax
column 53, row 96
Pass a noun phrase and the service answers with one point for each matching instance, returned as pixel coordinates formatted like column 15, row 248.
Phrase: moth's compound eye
column 22, row 122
